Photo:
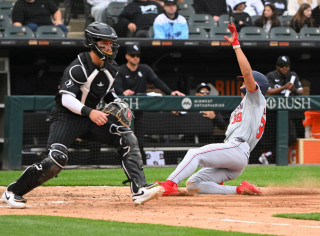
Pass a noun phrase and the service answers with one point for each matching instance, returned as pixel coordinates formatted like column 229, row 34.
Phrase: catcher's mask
column 260, row 79
column 97, row 31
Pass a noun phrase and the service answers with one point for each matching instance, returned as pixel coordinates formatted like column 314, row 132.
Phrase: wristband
column 236, row 46
column 86, row 110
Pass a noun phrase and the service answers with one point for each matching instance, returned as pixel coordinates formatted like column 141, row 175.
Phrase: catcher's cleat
column 170, row 188
column 246, row 188
column 14, row 200
column 146, row 194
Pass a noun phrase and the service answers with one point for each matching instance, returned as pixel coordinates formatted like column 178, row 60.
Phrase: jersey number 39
column 261, row 128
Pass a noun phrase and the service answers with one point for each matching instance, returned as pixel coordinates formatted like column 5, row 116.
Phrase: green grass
column 260, row 175
column 300, row 216
column 52, row 225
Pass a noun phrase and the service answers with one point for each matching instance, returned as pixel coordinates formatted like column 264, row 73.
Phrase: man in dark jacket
column 137, row 17
column 133, row 77
column 35, row 13
column 214, row 8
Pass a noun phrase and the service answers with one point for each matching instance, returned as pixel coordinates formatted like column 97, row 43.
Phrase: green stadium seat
column 6, row 7
column 218, row 33
column 224, row 20
column 188, row 2
column 114, row 9
column 203, row 20
column 186, row 10
column 254, row 18
column 151, row 32
column 253, row 33
column 310, row 33
column 49, row 31
column 283, row 33
column 197, row 32
column 18, row 32
column 5, row 21
column 285, row 20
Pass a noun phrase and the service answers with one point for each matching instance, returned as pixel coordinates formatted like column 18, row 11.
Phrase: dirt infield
column 252, row 214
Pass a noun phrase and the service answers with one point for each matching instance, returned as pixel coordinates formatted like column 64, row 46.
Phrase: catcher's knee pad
column 132, row 162
column 39, row 173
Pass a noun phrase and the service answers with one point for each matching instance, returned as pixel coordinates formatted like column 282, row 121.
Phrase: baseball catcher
column 86, row 82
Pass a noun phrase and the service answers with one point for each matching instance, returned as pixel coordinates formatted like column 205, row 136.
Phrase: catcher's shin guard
column 132, row 163
column 39, row 173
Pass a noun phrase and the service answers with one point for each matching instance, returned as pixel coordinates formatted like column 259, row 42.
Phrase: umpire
column 86, row 82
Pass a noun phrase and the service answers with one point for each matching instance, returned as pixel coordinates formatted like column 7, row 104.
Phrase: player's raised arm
column 244, row 64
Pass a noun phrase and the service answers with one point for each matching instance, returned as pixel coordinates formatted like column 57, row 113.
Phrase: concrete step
column 79, row 34
column 77, row 25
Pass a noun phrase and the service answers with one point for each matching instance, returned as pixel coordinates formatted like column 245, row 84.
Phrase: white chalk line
column 257, row 222
column 245, row 221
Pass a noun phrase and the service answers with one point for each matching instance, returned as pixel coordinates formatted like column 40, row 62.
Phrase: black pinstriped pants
column 66, row 126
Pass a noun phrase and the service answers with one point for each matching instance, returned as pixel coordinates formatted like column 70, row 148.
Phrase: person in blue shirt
column 170, row 25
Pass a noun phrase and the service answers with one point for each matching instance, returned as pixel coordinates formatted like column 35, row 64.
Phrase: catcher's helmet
column 261, row 80
column 97, row 31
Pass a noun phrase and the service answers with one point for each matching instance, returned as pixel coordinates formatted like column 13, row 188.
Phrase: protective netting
column 164, row 137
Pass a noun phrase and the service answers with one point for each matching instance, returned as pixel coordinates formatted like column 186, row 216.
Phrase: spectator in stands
column 214, row 8
column 293, row 5
column 98, row 9
column 302, row 18
column 35, row 13
column 170, row 25
column 253, row 8
column 269, row 18
column 316, row 15
column 133, row 77
column 280, row 5
column 280, row 81
column 137, row 17
column 240, row 18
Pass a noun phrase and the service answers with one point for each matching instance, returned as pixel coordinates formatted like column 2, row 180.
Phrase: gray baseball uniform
column 226, row 161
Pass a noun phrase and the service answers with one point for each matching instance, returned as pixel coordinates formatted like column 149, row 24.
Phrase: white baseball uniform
column 226, row 161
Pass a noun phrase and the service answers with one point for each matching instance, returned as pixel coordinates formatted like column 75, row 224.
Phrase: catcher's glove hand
column 120, row 111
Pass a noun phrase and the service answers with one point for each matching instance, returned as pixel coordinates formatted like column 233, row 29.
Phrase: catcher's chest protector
column 98, row 84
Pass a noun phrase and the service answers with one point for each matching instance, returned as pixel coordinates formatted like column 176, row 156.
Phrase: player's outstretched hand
column 234, row 38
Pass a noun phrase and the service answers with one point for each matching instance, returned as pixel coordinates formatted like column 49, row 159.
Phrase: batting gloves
column 234, row 39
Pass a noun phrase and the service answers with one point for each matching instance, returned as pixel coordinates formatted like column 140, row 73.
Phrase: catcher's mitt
column 120, row 111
